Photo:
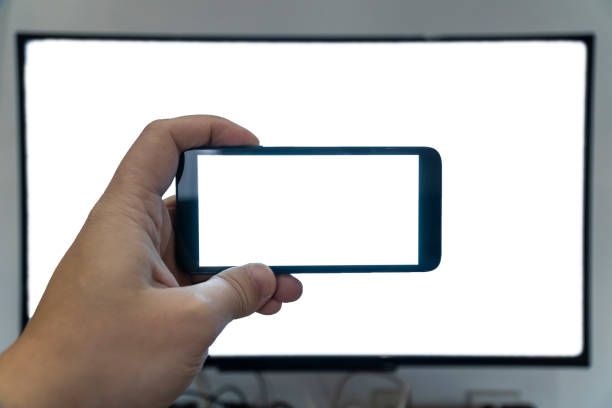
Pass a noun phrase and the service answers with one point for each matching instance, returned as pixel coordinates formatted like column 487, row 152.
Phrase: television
column 510, row 117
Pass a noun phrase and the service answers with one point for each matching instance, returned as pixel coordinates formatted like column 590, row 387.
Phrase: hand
column 119, row 324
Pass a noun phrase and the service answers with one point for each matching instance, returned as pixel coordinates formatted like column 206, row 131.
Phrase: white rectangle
column 308, row 209
column 508, row 118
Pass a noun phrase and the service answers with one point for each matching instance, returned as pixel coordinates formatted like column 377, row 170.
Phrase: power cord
column 218, row 399
column 403, row 390
column 263, row 389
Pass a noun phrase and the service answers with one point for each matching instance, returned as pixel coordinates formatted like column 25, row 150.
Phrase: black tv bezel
column 346, row 362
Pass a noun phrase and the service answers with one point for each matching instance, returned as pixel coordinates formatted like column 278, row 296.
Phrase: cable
column 231, row 389
column 263, row 389
column 201, row 386
column 403, row 389
column 215, row 400
column 280, row 404
column 353, row 403
column 335, row 401
column 405, row 395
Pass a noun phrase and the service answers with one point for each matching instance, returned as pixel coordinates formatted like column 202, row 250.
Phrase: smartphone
column 309, row 209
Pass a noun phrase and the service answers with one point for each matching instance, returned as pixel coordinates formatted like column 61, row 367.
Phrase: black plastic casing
column 351, row 362
column 430, row 206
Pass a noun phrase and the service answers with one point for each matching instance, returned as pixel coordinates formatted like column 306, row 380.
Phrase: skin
column 119, row 323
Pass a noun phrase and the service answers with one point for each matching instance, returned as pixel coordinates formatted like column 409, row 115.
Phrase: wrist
column 13, row 379
column 17, row 388
column 31, row 376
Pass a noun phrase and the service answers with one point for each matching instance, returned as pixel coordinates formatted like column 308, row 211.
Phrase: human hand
column 119, row 323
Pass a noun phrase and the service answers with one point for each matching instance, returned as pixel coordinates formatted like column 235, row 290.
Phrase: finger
column 236, row 292
column 170, row 203
column 168, row 233
column 288, row 289
column 151, row 162
column 270, row 307
column 169, row 259
column 168, row 255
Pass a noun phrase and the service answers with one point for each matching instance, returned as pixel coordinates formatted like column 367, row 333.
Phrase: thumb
column 236, row 292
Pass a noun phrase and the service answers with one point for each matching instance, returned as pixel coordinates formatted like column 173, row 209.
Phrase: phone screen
column 308, row 209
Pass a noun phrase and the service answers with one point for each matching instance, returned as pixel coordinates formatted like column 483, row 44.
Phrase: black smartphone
column 309, row 209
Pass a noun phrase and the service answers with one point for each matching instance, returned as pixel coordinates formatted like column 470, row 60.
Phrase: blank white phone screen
column 308, row 209
column 507, row 117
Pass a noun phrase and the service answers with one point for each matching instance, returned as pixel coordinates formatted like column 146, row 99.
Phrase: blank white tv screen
column 507, row 117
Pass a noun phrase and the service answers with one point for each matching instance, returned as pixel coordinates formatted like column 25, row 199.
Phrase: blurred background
column 429, row 386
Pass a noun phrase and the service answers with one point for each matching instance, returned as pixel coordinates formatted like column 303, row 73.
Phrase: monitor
column 509, row 116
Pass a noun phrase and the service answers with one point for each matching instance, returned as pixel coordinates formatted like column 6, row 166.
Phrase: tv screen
column 509, row 117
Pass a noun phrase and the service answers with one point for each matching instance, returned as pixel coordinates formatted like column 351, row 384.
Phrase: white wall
column 546, row 387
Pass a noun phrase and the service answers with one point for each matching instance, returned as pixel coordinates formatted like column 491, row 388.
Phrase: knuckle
column 241, row 290
column 196, row 306
column 256, row 266
column 154, row 125
column 215, row 117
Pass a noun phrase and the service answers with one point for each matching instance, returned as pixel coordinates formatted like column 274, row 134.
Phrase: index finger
column 152, row 161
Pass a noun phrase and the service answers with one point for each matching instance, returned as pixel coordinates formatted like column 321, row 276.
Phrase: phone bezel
column 430, row 206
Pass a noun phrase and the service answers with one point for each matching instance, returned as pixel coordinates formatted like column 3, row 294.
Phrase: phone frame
column 430, row 206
